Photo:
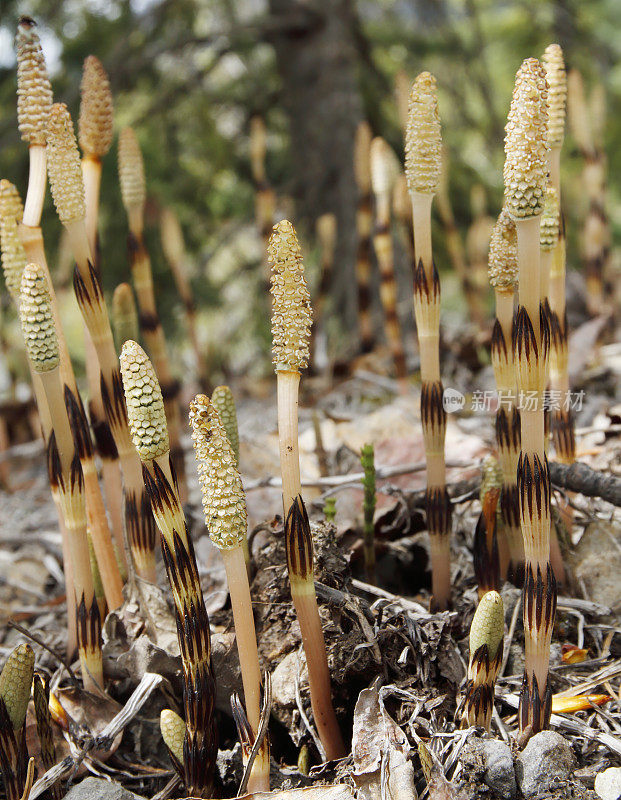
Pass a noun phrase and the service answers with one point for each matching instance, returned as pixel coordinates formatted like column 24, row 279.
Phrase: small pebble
column 608, row 784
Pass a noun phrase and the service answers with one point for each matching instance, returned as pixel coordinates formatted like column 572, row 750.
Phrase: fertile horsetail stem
column 364, row 228
column 65, row 468
column 525, row 175
column 147, row 421
column 384, row 169
column 174, row 250
column 486, row 648
column 486, row 547
column 15, row 682
column 291, row 323
column 124, row 314
column 503, row 277
column 561, row 419
column 13, row 264
column 423, row 164
column 68, row 193
column 34, row 101
column 224, row 506
column 367, row 459
column 134, row 192
column 291, row 326
column 223, row 401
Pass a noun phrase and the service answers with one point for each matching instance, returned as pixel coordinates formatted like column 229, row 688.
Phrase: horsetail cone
column 131, row 171
column 223, row 401
column 34, row 91
column 550, row 220
column 526, row 142
column 15, row 683
column 173, row 730
column 64, row 168
column 292, row 312
column 96, row 110
column 12, row 249
column 37, row 320
column 145, row 405
column 502, row 265
column 487, row 628
column 486, row 648
column 124, row 314
column 423, row 137
column 554, row 66
column 224, row 502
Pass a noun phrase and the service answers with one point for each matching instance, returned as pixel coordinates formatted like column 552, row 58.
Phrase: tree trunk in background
column 317, row 64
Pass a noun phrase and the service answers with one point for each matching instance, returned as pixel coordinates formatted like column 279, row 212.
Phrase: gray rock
column 100, row 789
column 608, row 784
column 499, row 773
column 546, row 763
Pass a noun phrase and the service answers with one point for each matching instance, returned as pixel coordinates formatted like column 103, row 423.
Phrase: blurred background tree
column 188, row 75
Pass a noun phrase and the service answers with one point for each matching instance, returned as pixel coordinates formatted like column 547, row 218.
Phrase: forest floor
column 397, row 670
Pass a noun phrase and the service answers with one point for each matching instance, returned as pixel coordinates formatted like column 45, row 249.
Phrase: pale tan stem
column 37, row 182
column 544, row 274
column 113, row 487
column 305, row 602
column 239, row 589
column 421, row 213
column 533, row 431
column 91, row 173
column 529, row 260
column 504, row 313
column 429, row 347
column 288, row 384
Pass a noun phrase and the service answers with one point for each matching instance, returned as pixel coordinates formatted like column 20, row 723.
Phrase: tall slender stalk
column 561, row 419
column 224, row 505
column 486, row 648
column 147, row 420
column 423, row 163
column 133, row 190
column 174, row 250
column 124, row 315
column 95, row 129
column 291, row 323
column 383, row 173
column 525, row 176
column 13, row 264
column 503, row 274
column 64, row 463
column 68, row 193
column 364, row 228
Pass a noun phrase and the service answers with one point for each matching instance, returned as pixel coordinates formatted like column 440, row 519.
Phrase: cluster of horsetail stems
column 364, row 229
column 503, row 276
column 367, row 460
column 423, row 163
column 224, row 506
column 134, row 193
column 488, row 542
column 95, row 131
column 586, row 121
column 291, row 324
column 561, row 419
column 15, row 681
column 383, row 173
column 525, row 177
column 486, row 649
column 64, row 466
column 174, row 249
column 68, row 193
column 147, row 420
